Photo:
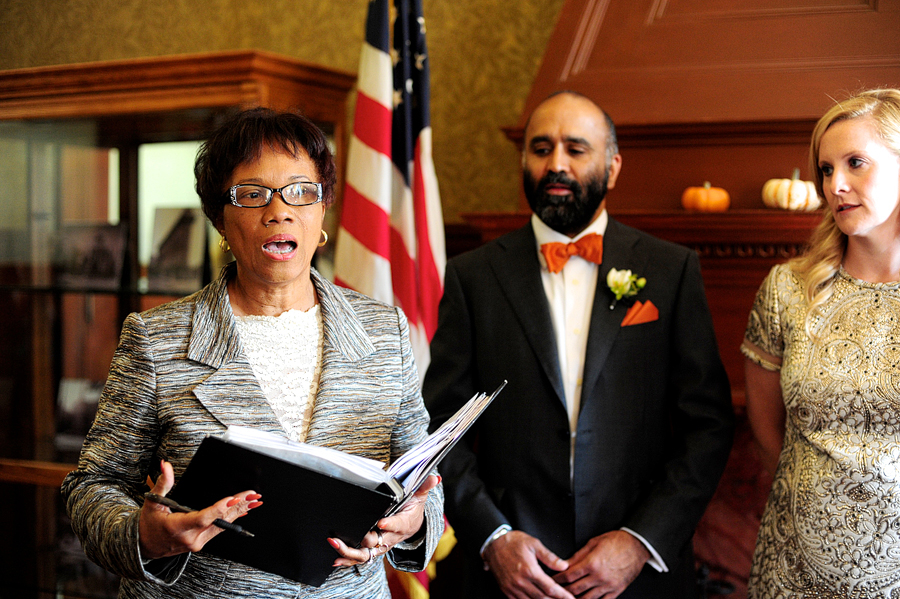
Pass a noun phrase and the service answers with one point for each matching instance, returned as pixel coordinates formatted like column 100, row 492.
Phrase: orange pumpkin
column 706, row 198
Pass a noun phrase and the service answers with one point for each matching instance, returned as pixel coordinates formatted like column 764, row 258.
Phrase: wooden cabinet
column 72, row 137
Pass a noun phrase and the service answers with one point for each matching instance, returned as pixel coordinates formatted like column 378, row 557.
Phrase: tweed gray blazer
column 180, row 374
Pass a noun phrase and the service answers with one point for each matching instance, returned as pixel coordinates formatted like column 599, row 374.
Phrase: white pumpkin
column 791, row 194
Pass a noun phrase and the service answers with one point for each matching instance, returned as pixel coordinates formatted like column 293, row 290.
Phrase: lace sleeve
column 764, row 337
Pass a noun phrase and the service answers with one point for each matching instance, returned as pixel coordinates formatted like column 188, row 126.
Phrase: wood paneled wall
column 725, row 91
column 701, row 61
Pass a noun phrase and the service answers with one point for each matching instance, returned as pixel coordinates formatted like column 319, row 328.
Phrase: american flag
column 390, row 244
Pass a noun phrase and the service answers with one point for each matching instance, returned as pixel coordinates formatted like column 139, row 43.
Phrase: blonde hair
column 817, row 266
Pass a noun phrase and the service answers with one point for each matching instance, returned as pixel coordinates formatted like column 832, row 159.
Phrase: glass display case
column 98, row 218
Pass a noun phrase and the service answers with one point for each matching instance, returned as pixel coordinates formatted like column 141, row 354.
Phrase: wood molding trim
column 585, row 38
column 674, row 135
column 158, row 84
column 733, row 233
column 47, row 474
column 660, row 11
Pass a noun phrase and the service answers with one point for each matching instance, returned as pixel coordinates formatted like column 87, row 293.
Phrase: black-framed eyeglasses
column 304, row 193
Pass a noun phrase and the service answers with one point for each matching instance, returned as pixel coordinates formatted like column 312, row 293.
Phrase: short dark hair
column 241, row 138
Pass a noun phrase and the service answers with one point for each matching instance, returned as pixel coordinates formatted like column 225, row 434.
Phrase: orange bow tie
column 589, row 247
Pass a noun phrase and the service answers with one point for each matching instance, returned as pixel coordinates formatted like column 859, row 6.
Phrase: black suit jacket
column 655, row 425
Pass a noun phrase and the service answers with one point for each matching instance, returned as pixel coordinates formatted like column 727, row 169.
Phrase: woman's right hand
column 164, row 533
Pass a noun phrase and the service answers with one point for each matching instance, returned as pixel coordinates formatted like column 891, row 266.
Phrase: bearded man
column 587, row 476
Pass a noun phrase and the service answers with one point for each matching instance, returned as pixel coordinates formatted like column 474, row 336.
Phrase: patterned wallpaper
column 484, row 57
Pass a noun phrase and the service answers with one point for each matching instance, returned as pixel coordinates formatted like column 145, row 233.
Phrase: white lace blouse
column 285, row 353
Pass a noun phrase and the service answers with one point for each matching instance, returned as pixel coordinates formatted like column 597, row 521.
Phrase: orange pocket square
column 639, row 313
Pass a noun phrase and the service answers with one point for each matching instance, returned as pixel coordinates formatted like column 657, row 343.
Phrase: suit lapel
column 231, row 393
column 518, row 272
column 345, row 343
column 619, row 245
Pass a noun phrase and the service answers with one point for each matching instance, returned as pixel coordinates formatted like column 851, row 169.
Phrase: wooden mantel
column 702, row 231
column 737, row 248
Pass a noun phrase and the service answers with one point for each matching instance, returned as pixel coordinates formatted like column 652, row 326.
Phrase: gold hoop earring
column 324, row 241
column 223, row 245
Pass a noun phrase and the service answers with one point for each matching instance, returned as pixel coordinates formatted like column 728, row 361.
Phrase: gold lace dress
column 831, row 527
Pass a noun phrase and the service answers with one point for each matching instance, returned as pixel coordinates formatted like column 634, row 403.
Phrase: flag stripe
column 374, row 78
column 403, row 269
column 435, row 220
column 403, row 218
column 372, row 124
column 375, row 278
column 430, row 284
column 371, row 175
column 367, row 223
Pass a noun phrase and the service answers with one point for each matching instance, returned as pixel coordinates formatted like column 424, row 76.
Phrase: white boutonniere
column 623, row 283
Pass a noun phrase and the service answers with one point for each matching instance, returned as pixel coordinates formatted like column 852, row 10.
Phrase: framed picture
column 76, row 405
column 91, row 256
column 178, row 255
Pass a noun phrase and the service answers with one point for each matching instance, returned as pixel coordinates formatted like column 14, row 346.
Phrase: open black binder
column 303, row 507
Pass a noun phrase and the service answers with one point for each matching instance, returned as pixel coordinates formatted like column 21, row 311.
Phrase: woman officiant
column 271, row 345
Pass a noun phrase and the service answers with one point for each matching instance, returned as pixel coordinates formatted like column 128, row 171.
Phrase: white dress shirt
column 570, row 294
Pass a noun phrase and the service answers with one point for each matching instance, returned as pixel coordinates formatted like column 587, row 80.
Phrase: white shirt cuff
column 655, row 561
column 498, row 532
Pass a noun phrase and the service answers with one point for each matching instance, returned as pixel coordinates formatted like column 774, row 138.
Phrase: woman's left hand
column 389, row 531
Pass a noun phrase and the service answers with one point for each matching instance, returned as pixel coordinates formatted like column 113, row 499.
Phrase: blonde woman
column 823, row 373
